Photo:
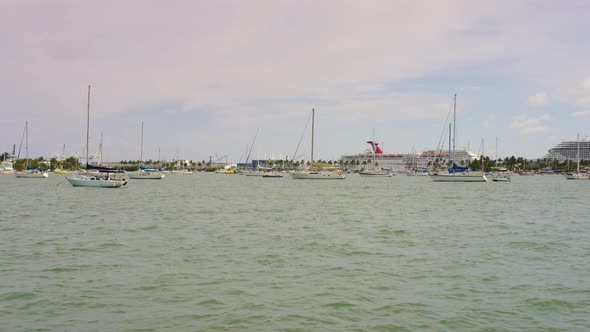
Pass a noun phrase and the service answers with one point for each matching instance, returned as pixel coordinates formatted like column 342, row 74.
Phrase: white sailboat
column 145, row 173
column 317, row 175
column 34, row 173
column 104, row 177
column 577, row 175
column 497, row 176
column 374, row 172
column 457, row 173
column 258, row 171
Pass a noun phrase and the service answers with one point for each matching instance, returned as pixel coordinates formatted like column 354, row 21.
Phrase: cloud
column 486, row 123
column 263, row 64
column 587, row 83
column 539, row 99
column 581, row 114
column 530, row 124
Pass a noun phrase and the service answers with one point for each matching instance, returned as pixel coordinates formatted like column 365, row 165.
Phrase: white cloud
column 530, row 124
column 486, row 123
column 587, row 83
column 539, row 99
column 581, row 114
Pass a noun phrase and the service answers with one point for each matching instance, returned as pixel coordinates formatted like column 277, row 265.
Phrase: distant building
column 568, row 151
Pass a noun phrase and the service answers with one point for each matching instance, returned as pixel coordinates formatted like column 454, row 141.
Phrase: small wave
column 17, row 296
column 338, row 305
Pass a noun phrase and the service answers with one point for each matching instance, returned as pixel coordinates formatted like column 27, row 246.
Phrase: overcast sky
column 205, row 76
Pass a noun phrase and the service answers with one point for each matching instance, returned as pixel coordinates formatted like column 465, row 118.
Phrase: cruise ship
column 398, row 162
column 568, row 151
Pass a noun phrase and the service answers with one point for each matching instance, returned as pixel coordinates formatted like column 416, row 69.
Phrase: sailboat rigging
column 105, row 177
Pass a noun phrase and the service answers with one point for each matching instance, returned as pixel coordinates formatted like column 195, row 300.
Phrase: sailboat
column 145, row 172
column 412, row 167
column 62, row 158
column 375, row 172
column 258, row 171
column 30, row 172
column 499, row 176
column 317, row 175
column 103, row 178
column 577, row 175
column 457, row 173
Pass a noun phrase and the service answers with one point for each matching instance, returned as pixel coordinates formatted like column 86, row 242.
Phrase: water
column 233, row 253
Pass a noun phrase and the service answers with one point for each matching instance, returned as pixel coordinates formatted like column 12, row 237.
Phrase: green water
column 211, row 252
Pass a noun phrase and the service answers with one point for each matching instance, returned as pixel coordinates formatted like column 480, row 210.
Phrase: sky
column 206, row 77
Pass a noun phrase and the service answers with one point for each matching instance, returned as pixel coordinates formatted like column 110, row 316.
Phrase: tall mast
column 373, row 149
column 63, row 154
column 482, row 157
column 312, row 133
column 454, row 123
column 496, row 151
column 88, row 127
column 578, row 153
column 100, row 150
column 450, row 156
column 27, row 144
column 141, row 149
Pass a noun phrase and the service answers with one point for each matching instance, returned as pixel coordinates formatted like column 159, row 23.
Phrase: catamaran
column 101, row 177
column 317, row 175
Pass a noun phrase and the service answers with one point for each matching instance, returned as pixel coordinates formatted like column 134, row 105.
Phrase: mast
column 496, row 151
column 373, row 146
column 26, row 144
column 578, row 153
column 450, row 156
column 312, row 133
column 482, row 157
column 88, row 127
column 141, row 149
column 100, row 150
column 454, row 123
column 63, row 154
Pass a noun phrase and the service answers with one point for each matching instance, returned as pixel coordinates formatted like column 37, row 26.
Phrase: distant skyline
column 204, row 76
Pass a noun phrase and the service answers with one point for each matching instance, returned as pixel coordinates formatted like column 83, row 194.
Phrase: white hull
column 272, row 175
column 318, row 175
column 501, row 179
column 577, row 176
column 375, row 174
column 416, row 174
column 31, row 175
column 93, row 181
column 458, row 177
column 254, row 173
column 147, row 176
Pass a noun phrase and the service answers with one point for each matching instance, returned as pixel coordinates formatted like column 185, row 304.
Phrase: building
column 568, row 151
column 400, row 162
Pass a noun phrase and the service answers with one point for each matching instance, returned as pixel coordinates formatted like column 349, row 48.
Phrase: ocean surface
column 212, row 252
